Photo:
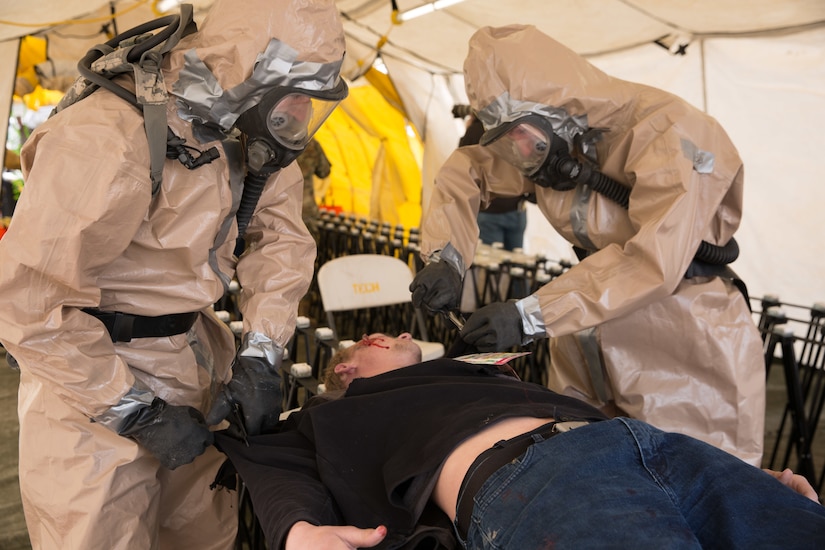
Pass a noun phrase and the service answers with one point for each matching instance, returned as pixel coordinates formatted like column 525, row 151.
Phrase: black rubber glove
column 494, row 327
column 175, row 434
column 437, row 287
column 254, row 392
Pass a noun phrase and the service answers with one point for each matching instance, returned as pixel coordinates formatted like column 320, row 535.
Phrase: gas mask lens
column 522, row 144
column 279, row 127
column 295, row 118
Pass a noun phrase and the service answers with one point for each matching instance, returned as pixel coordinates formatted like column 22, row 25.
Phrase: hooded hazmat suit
column 88, row 233
column 628, row 329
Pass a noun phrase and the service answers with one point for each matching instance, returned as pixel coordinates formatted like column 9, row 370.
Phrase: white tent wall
column 769, row 94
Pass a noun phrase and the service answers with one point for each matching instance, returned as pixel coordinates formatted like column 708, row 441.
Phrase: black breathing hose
column 618, row 193
column 170, row 24
column 253, row 186
column 582, row 173
column 718, row 255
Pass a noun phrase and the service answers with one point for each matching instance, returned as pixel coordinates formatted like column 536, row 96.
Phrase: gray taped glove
column 174, row 434
column 254, row 393
column 494, row 327
column 436, row 287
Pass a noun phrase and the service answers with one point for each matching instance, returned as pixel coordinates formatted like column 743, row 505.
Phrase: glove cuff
column 256, row 344
column 141, row 417
column 138, row 397
column 450, row 255
column 532, row 322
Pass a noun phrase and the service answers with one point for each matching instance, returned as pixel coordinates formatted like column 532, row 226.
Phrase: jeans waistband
column 495, row 457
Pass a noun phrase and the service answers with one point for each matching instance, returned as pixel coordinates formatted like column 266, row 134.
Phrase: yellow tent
column 375, row 156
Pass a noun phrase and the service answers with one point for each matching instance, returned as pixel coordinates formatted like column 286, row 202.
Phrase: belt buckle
column 561, row 427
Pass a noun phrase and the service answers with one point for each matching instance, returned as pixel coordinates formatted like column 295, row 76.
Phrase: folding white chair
column 374, row 290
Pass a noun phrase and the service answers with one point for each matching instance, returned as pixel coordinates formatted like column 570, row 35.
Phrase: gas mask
column 279, row 128
column 529, row 144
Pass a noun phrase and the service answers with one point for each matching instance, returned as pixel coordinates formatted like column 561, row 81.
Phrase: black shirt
column 372, row 457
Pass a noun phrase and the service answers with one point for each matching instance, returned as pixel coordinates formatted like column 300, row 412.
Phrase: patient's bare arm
column 332, row 537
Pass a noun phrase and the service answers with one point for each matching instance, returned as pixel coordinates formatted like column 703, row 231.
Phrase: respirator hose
column 253, row 186
column 605, row 185
column 618, row 193
column 718, row 255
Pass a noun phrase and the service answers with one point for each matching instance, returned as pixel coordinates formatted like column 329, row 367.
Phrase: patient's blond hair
column 332, row 380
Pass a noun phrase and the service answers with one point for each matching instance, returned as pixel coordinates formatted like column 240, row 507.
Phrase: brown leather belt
column 495, row 457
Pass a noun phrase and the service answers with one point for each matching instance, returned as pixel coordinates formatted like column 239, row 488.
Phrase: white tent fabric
column 758, row 66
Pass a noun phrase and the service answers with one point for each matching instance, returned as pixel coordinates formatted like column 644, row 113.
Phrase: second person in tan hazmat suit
column 650, row 324
column 108, row 275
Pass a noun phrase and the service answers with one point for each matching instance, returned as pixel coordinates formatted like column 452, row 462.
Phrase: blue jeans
column 623, row 484
column 506, row 228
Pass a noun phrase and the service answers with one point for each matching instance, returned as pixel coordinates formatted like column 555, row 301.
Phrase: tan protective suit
column 88, row 233
column 629, row 330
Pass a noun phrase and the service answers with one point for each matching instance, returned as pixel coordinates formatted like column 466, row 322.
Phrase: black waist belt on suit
column 123, row 327
column 494, row 458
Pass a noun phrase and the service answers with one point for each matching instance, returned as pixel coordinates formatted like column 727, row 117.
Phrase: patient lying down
column 450, row 454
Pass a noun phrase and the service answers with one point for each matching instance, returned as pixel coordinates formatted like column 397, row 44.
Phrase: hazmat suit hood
column 516, row 70
column 243, row 50
column 508, row 76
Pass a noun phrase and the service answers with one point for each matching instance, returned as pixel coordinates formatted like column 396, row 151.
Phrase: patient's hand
column 795, row 481
column 303, row 535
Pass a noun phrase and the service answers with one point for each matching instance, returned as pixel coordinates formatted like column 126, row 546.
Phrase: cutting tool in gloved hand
column 455, row 318
column 238, row 416
column 459, row 347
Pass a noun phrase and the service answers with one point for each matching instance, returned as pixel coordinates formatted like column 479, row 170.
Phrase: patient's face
column 378, row 353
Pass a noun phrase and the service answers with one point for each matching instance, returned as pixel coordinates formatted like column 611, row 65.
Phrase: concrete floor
column 13, row 535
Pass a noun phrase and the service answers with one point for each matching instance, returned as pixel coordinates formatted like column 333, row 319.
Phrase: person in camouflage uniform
column 313, row 162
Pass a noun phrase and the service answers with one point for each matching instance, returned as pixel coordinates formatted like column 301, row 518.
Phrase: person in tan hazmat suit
column 649, row 324
column 107, row 288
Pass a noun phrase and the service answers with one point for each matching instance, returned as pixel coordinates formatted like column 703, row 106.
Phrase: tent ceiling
column 33, row 16
column 438, row 41
column 590, row 27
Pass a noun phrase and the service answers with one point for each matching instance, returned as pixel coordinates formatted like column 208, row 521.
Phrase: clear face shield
column 522, row 144
column 529, row 144
column 279, row 128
